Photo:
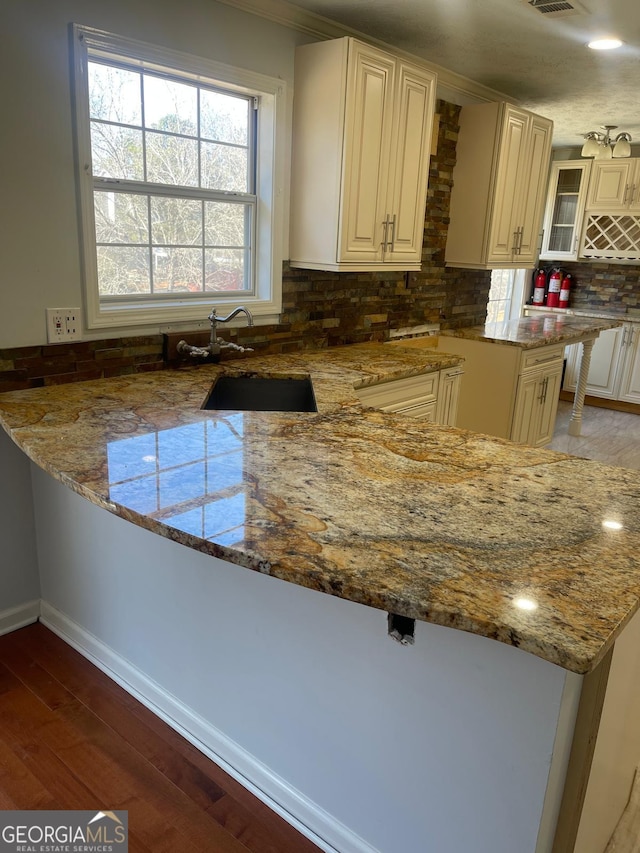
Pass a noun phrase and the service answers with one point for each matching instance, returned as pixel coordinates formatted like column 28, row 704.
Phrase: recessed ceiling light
column 610, row 524
column 604, row 44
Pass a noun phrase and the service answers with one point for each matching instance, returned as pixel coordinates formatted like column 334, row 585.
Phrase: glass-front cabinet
column 564, row 210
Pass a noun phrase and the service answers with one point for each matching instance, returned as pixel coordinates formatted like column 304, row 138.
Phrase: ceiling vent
column 556, row 8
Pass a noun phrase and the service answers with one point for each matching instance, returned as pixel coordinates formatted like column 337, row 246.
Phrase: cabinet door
column 536, row 406
column 532, row 191
column 564, row 209
column 633, row 197
column 610, row 184
column 524, row 427
column 546, row 421
column 503, row 239
column 603, row 374
column 410, row 152
column 368, row 127
column 630, row 376
column 448, row 396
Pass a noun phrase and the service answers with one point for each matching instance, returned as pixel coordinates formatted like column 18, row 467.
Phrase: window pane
column 123, row 270
column 224, row 269
column 497, row 311
column 501, row 284
column 114, row 94
column 224, row 168
column 170, row 106
column 177, row 270
column 121, row 218
column 224, row 118
column 225, row 224
column 172, row 160
column 116, row 152
column 176, row 221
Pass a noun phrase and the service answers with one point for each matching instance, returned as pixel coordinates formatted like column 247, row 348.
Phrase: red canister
column 539, row 287
column 565, row 289
column 553, row 295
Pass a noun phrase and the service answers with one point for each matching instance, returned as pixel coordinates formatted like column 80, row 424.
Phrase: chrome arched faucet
column 215, row 345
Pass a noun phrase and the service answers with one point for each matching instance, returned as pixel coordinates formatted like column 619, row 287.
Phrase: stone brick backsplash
column 55, row 364
column 609, row 286
column 319, row 308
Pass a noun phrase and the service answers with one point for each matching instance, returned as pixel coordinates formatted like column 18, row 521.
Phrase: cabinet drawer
column 422, row 411
column 401, row 393
column 541, row 357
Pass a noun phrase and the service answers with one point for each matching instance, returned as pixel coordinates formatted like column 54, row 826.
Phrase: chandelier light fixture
column 599, row 144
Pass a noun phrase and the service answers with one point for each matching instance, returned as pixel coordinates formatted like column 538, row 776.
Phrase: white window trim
column 267, row 299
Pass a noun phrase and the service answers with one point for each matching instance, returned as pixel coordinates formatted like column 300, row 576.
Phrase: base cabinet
column 614, row 373
column 429, row 396
column 536, row 405
column 508, row 391
column 449, row 396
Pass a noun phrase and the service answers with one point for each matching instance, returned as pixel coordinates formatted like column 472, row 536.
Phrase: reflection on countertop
column 413, row 518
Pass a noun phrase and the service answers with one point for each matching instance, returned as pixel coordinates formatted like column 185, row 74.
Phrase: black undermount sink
column 261, row 394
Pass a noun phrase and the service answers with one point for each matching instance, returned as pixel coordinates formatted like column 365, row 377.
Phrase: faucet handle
column 212, row 316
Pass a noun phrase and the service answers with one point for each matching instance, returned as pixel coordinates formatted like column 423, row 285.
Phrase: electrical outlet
column 63, row 324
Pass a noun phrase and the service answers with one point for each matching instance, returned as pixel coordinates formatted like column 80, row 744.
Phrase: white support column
column 575, row 421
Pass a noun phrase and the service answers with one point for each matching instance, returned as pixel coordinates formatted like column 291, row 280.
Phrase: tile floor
column 608, row 436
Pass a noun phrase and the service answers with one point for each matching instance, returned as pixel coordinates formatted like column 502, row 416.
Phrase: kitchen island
column 367, row 744
column 514, row 373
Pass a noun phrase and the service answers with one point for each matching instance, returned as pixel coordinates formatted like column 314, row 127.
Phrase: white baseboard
column 18, row 617
column 309, row 819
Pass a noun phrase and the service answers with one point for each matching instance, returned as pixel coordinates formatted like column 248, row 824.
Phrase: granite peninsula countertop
column 624, row 315
column 430, row 522
column 539, row 330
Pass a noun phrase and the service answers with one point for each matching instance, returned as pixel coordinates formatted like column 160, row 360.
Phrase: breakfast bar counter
column 415, row 519
column 367, row 745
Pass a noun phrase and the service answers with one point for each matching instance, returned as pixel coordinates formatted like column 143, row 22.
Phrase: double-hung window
column 179, row 183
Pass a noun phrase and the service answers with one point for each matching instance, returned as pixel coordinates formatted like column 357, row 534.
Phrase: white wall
column 19, row 582
column 38, row 221
column 443, row 746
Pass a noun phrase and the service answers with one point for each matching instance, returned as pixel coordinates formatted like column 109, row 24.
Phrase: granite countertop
column 534, row 331
column 426, row 521
column 624, row 315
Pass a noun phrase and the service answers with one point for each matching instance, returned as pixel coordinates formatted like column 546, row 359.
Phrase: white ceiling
column 540, row 62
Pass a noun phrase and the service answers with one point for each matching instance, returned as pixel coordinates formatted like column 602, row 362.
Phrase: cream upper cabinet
column 360, row 161
column 499, row 185
column 614, row 185
column 564, row 209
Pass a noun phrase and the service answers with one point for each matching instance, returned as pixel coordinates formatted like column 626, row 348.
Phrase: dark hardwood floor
column 70, row 738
